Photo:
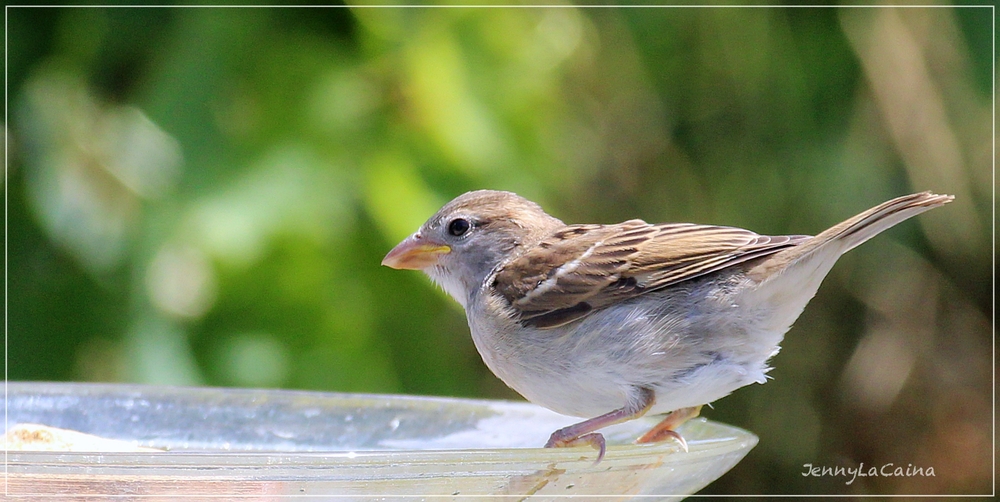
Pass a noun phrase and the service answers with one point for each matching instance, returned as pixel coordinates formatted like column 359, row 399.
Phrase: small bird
column 615, row 321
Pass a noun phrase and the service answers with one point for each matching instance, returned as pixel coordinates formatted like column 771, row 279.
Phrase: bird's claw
column 594, row 439
column 665, row 429
column 655, row 436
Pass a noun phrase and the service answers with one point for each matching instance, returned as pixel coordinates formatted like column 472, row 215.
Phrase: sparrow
column 610, row 322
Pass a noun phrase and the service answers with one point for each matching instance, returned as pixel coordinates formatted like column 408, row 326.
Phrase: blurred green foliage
column 202, row 196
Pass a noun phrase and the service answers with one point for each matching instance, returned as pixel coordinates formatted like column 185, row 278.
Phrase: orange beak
column 414, row 253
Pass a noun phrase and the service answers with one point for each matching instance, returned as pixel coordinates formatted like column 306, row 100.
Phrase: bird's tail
column 787, row 280
column 854, row 231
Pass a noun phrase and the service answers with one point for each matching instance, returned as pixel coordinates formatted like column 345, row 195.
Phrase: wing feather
column 581, row 268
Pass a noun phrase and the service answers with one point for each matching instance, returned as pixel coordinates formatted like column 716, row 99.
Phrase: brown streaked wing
column 581, row 268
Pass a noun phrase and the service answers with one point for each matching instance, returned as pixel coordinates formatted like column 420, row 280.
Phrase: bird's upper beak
column 415, row 253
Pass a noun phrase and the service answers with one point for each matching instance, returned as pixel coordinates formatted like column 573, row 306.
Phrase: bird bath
column 272, row 443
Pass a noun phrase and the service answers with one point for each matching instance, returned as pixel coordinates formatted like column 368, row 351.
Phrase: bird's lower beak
column 415, row 253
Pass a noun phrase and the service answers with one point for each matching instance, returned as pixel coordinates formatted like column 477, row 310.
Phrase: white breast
column 685, row 344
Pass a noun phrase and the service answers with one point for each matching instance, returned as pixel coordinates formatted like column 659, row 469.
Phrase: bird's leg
column 583, row 432
column 665, row 429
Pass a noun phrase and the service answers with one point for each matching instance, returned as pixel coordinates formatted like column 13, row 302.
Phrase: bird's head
column 468, row 237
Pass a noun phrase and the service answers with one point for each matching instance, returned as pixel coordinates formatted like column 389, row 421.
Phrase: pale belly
column 687, row 345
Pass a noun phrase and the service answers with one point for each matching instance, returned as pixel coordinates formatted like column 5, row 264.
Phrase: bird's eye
column 459, row 226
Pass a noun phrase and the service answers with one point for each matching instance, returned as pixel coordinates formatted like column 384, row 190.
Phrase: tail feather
column 790, row 278
column 854, row 231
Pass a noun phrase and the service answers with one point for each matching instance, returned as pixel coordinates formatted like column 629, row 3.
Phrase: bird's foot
column 583, row 432
column 558, row 439
column 655, row 436
column 665, row 429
